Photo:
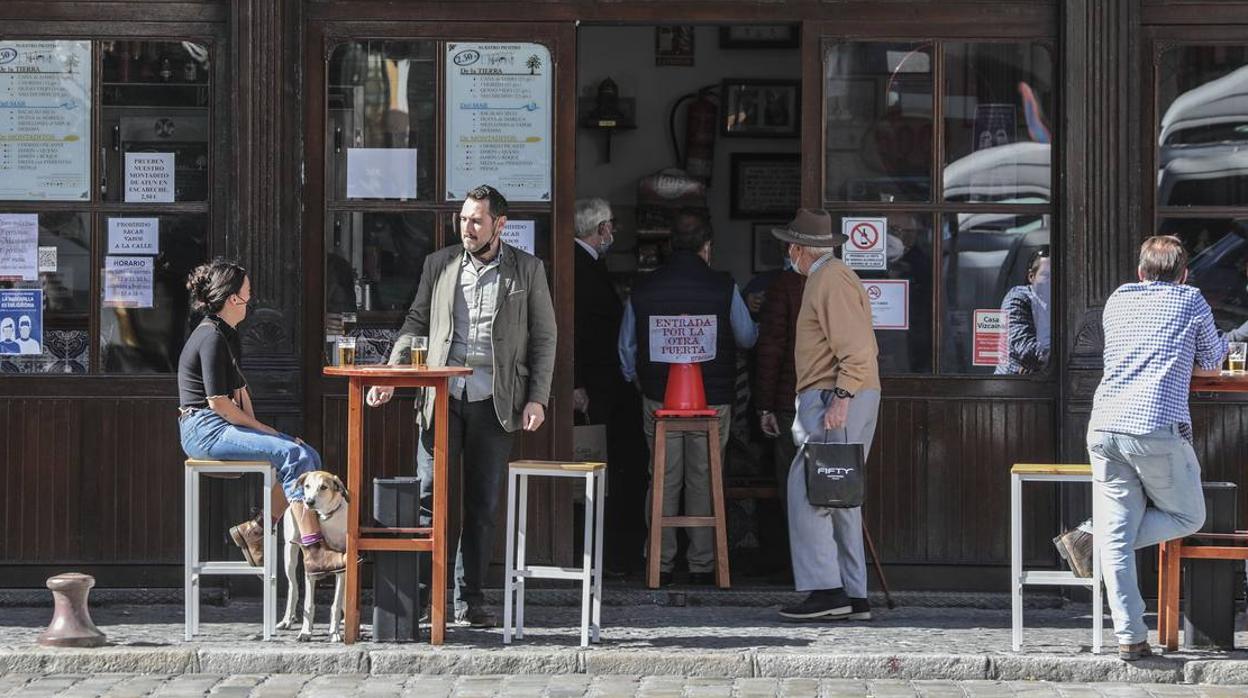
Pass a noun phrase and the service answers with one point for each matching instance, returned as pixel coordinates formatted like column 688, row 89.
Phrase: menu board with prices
column 45, row 120
column 498, row 119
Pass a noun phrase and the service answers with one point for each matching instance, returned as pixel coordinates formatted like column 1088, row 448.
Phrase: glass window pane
column 1203, row 126
column 1218, row 265
column 381, row 141
column 380, row 253
column 878, row 121
column 527, row 231
column 57, row 340
column 998, row 102
column 997, row 292
column 144, row 305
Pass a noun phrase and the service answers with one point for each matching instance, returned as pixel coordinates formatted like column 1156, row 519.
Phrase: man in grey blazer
column 485, row 305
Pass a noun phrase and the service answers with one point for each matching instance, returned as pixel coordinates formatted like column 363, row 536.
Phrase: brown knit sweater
column 835, row 340
column 775, row 380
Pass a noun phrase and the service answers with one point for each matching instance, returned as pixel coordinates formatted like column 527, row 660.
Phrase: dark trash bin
column 1209, row 585
column 396, row 575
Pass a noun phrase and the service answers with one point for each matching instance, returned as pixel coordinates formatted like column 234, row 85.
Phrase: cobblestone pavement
column 569, row 686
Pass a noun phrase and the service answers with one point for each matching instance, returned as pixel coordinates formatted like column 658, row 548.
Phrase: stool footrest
column 548, row 572
column 241, row 568
column 688, row 522
column 1055, row 578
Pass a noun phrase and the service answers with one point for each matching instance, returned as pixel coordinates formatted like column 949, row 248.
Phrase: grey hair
column 589, row 214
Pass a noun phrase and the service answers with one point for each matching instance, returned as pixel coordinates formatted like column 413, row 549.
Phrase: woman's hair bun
column 210, row 285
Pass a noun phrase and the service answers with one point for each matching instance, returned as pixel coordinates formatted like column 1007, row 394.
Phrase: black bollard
column 1209, row 585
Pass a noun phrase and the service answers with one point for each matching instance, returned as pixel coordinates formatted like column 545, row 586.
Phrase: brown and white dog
column 325, row 494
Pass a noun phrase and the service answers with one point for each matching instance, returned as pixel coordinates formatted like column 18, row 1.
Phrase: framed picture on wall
column 759, row 36
column 760, row 108
column 673, row 44
column 764, row 185
column 768, row 251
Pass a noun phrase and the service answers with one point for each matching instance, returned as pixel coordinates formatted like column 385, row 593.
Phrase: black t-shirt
column 208, row 366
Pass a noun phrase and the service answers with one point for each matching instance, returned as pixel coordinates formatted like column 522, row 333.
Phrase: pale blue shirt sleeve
column 743, row 328
column 628, row 343
column 1211, row 346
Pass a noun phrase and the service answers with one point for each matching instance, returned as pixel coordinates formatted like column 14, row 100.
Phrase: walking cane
column 875, row 560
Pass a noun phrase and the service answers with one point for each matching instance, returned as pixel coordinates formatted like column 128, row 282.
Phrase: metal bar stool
column 194, row 567
column 717, row 520
column 1019, row 578
column 517, row 570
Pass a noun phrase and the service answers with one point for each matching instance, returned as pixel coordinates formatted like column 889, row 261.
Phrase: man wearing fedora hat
column 838, row 400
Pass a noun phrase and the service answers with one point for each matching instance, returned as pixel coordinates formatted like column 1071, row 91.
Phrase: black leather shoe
column 823, row 604
column 665, row 579
column 859, row 609
column 476, row 617
column 702, row 579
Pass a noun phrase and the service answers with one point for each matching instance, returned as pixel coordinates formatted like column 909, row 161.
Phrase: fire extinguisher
column 700, row 129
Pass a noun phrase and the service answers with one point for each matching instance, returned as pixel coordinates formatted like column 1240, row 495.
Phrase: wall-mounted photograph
column 757, row 36
column 765, row 185
column 761, row 108
column 673, row 44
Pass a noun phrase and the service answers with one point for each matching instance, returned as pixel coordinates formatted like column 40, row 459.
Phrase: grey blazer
column 523, row 330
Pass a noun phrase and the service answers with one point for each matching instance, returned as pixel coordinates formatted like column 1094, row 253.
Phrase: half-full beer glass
column 346, row 351
column 1237, row 352
column 419, row 351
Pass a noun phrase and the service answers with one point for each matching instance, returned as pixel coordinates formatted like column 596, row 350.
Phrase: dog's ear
column 342, row 489
column 301, row 478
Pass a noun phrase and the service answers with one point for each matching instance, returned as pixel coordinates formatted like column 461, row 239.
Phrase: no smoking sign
column 865, row 246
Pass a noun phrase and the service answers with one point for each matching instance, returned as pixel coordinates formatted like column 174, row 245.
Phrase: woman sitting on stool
column 217, row 420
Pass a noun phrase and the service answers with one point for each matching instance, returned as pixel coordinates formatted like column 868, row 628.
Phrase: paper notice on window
column 45, row 120
column 149, row 178
column 381, row 173
column 498, row 119
column 133, row 236
column 890, row 303
column 521, row 235
column 19, row 246
column 47, row 260
column 865, row 243
column 682, row 339
column 989, row 337
column 21, row 322
column 128, row 282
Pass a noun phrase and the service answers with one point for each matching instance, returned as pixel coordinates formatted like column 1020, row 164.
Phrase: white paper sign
column 19, row 246
column 498, row 119
column 989, row 337
column 149, row 178
column 45, row 120
column 128, row 282
column 381, row 173
column 682, row 339
column 890, row 303
column 521, row 235
column 47, row 260
column 133, row 236
column 865, row 247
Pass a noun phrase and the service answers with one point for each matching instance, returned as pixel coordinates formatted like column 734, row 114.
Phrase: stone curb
column 748, row 663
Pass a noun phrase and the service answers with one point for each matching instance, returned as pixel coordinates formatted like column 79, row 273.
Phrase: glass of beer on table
column 1237, row 352
column 346, row 351
column 419, row 351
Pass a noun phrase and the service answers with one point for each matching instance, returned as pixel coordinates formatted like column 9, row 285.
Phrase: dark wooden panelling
column 939, row 479
column 1220, row 437
column 41, row 469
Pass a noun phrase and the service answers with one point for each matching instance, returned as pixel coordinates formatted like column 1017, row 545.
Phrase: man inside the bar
column 1145, row 476
column 486, row 305
column 686, row 285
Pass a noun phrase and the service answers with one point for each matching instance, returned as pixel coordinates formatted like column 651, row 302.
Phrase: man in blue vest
column 686, row 285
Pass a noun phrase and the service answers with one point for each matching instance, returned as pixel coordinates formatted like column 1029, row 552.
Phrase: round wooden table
column 432, row 539
column 1224, row 383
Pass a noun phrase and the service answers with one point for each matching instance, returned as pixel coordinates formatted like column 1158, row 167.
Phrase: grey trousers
column 826, row 543
column 687, row 472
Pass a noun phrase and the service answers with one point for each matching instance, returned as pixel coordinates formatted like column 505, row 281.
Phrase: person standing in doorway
column 1158, row 332
column 838, row 399
column 686, row 285
column 486, row 305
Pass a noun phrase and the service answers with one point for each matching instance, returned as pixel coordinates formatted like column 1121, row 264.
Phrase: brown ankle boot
column 249, row 537
column 318, row 560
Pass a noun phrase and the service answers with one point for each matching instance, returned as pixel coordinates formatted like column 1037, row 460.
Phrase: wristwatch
column 842, row 393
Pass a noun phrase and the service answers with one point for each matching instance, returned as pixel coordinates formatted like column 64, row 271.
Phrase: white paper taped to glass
column 682, row 339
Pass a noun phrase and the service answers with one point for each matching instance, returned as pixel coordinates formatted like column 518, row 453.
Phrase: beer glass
column 346, row 351
column 419, row 351
column 1237, row 352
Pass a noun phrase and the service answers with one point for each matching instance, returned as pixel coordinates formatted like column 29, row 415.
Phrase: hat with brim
column 812, row 227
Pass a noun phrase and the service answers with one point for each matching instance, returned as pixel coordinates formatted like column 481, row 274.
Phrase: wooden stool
column 710, row 425
column 1169, row 555
column 590, row 571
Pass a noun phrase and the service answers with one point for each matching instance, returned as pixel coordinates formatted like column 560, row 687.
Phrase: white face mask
column 1043, row 289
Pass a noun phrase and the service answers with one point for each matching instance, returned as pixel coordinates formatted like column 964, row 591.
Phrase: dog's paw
column 285, row 625
column 304, row 637
column 335, row 637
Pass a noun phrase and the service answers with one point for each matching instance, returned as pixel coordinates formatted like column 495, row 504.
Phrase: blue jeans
column 205, row 434
column 1129, row 472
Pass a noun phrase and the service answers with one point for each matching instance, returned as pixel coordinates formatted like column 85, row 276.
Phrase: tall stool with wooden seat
column 194, row 567
column 517, row 570
column 1170, row 555
column 1019, row 578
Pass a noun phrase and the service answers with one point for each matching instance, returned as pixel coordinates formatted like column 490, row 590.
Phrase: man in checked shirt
column 1158, row 333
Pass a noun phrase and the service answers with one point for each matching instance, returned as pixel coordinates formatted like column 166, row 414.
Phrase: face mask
column 788, row 264
column 605, row 245
column 1043, row 289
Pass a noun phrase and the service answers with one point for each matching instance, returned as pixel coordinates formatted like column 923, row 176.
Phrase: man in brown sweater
column 775, row 378
column 838, row 400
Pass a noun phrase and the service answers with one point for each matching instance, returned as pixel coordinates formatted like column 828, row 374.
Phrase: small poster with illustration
column 21, row 322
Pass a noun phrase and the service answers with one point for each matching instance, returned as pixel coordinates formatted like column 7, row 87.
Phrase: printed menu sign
column 128, row 282
column 498, row 119
column 19, row 246
column 682, row 339
column 45, row 120
column 149, row 178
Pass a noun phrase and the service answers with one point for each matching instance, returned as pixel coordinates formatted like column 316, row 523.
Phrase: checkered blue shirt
column 1155, row 333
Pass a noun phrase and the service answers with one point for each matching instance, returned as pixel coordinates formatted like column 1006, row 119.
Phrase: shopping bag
column 835, row 474
column 589, row 443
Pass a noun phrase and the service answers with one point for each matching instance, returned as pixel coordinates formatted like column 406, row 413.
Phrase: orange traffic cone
column 685, row 395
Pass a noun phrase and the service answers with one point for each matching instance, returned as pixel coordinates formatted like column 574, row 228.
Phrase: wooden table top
column 386, row 371
column 1224, row 383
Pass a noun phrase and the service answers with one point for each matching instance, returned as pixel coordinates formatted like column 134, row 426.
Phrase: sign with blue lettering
column 21, row 322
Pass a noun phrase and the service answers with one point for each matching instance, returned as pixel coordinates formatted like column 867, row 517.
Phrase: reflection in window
column 382, row 99
column 988, row 256
column 878, row 118
column 997, row 133
column 374, row 260
column 1218, row 265
column 1202, row 96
